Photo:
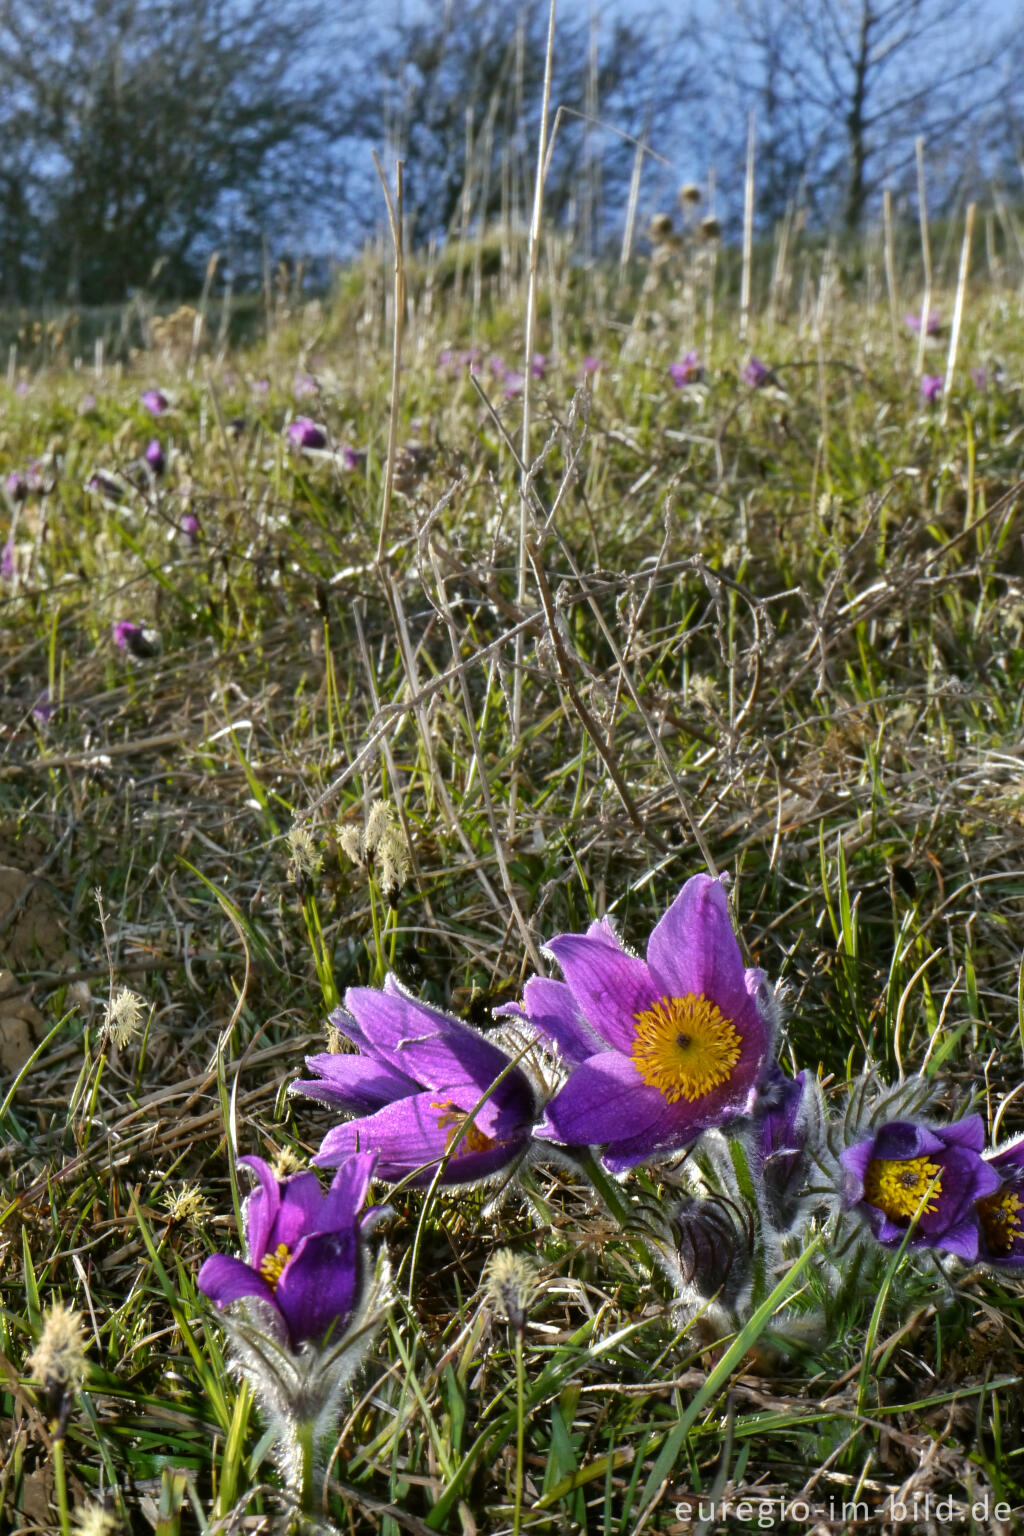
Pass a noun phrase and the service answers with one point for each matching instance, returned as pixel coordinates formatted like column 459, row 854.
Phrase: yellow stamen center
column 901, row 1188
column 685, row 1046
column 1001, row 1223
column 272, row 1264
column 452, row 1119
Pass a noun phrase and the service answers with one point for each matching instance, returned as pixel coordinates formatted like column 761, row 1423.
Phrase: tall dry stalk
column 533, row 267
column 395, row 222
column 958, row 307
column 748, row 228
column 926, row 256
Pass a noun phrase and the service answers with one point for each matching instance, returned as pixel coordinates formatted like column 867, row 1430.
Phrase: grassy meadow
column 764, row 623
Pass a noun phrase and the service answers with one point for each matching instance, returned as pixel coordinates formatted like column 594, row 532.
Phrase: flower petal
column 440, row 1052
column 261, row 1208
column 605, row 1100
column 224, row 1280
column 693, row 949
column 357, row 1084
column 412, row 1136
column 348, row 1191
column 551, row 1009
column 300, row 1213
column 610, row 985
column 318, row 1290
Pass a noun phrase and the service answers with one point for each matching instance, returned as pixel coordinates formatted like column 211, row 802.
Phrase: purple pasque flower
column 1001, row 1214
column 155, row 457
column 303, row 433
column 589, row 366
column 17, row 485
column 686, row 371
column 930, row 324
column 781, row 1124
column 931, row 386
column 305, row 1250
column 155, row 401
column 660, row 1049
column 429, row 1090
column 304, row 385
column 189, row 527
column 979, row 378
column 136, row 639
column 755, row 373
column 352, row 458
column 935, row 1174
column 44, row 708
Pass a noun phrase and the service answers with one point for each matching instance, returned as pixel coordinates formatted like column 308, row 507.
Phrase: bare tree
column 138, row 134
column 843, row 87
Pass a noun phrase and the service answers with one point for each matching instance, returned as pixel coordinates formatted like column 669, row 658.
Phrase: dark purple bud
column 755, row 373
column 931, row 324
column 931, row 386
column 17, row 486
column 189, row 526
column 155, row 401
column 303, row 433
column 155, row 457
column 135, row 639
column 352, row 458
column 43, row 709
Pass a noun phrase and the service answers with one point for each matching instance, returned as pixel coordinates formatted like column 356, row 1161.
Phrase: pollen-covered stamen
column 685, row 1047
column 1001, row 1220
column 272, row 1264
column 903, row 1188
column 452, row 1119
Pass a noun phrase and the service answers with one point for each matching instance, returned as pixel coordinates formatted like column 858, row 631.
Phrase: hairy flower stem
column 517, row 1512
column 60, row 1482
column 304, row 1477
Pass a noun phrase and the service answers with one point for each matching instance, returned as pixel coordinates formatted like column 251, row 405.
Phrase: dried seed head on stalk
column 306, row 859
column 511, row 1283
column 123, row 1017
column 94, row 1520
column 58, row 1361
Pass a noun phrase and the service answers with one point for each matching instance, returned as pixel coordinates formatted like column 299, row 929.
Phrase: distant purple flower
column 352, row 458
column 260, row 386
column 155, row 456
column 189, row 527
column 86, row 405
column 43, row 709
column 589, row 366
column 305, row 385
column 102, row 484
column 497, row 366
column 306, row 1260
column 932, row 324
column 538, row 365
column 17, row 486
column 936, row 1174
column 755, row 373
column 418, row 1075
column 979, row 378
column 1001, row 1214
column 931, row 386
column 135, row 639
column 661, row 1049
column 155, row 401
column 513, row 383
column 690, row 368
column 22, row 387
column 303, row 433
column 7, row 559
